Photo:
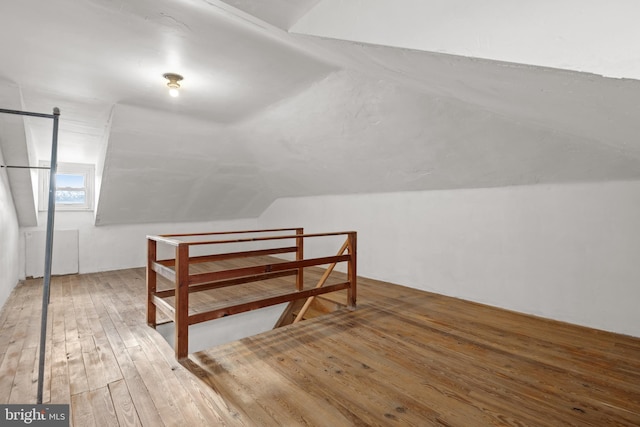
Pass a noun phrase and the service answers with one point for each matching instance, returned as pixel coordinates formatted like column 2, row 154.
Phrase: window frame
column 85, row 169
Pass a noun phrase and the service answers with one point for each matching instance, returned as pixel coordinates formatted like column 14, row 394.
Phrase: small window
column 74, row 187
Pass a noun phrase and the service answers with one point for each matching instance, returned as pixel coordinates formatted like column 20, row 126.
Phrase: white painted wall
column 592, row 36
column 117, row 247
column 65, row 247
column 9, row 241
column 566, row 252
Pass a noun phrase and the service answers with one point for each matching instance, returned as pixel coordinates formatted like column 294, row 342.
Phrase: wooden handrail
column 176, row 242
column 320, row 284
column 230, row 282
column 171, row 238
column 186, row 283
column 194, row 279
column 231, row 255
column 214, row 233
column 165, row 272
column 164, row 307
column 265, row 302
column 181, row 317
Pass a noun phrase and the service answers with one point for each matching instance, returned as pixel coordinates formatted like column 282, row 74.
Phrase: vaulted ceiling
column 289, row 98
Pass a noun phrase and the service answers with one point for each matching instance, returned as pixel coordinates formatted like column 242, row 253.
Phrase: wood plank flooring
column 404, row 357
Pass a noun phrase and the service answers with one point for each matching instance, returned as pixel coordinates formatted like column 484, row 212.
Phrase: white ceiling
column 594, row 36
column 265, row 113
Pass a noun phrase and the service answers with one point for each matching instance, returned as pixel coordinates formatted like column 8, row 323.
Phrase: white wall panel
column 9, row 240
column 566, row 252
column 64, row 256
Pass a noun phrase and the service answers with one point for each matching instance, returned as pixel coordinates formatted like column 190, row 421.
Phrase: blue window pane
column 69, row 181
column 70, row 197
column 70, row 189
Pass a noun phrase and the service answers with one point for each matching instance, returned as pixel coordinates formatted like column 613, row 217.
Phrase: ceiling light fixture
column 173, row 83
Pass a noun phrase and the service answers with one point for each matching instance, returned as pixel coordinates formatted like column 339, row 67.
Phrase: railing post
column 352, row 243
column 182, row 301
column 151, row 282
column 300, row 257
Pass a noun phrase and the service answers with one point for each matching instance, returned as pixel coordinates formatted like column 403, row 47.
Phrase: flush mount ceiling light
column 173, row 83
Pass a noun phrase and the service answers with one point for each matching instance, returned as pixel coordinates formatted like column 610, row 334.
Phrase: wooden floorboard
column 403, row 357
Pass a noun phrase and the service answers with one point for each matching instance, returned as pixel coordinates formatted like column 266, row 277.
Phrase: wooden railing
column 177, row 271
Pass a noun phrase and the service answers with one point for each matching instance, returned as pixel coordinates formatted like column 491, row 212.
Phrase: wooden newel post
column 151, row 282
column 182, row 301
column 352, row 243
column 300, row 257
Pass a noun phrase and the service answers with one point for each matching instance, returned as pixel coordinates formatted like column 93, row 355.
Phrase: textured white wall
column 566, row 252
column 9, row 242
column 592, row 36
column 65, row 246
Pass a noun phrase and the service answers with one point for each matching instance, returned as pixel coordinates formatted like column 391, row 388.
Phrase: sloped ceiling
column 266, row 113
column 17, row 150
column 591, row 36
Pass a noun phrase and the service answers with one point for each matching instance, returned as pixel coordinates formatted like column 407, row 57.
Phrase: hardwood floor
column 404, row 357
